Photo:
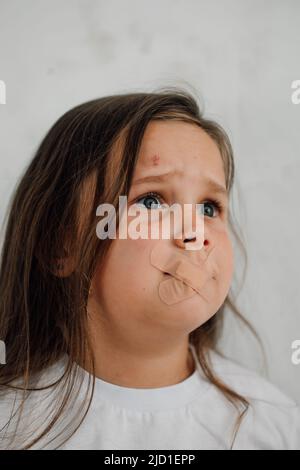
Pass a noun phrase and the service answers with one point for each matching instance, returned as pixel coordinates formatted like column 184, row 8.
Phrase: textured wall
column 240, row 55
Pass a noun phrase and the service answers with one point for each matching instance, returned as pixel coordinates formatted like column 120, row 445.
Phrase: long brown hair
column 87, row 157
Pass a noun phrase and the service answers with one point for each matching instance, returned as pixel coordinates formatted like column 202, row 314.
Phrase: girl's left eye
column 215, row 204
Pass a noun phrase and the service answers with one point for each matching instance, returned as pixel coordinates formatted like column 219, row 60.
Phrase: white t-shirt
column 190, row 415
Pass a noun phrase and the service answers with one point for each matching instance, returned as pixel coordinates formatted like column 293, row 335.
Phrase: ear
column 63, row 266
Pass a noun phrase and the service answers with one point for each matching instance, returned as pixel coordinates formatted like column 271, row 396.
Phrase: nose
column 188, row 242
column 191, row 239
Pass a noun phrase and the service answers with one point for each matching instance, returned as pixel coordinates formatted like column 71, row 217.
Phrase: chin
column 189, row 314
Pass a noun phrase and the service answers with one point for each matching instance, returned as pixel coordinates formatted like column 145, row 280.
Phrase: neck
column 142, row 362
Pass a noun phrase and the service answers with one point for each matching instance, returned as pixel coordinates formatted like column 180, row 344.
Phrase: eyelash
column 216, row 202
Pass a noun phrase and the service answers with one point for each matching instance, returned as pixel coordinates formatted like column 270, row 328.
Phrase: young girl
column 111, row 343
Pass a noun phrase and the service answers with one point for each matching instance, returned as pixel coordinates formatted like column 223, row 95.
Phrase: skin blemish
column 155, row 160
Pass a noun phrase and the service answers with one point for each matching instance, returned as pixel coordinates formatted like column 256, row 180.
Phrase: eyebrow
column 210, row 183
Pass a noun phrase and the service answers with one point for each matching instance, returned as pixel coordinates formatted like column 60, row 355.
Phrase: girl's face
column 126, row 289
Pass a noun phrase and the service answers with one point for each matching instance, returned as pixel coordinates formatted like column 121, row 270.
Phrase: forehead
column 179, row 146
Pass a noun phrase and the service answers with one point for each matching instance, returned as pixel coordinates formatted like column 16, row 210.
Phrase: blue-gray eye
column 150, row 201
column 208, row 208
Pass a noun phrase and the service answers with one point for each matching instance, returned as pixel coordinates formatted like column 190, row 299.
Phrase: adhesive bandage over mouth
column 188, row 275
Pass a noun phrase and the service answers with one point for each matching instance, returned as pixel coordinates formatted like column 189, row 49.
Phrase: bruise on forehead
column 155, row 160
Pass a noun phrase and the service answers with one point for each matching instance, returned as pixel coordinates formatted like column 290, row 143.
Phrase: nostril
column 189, row 239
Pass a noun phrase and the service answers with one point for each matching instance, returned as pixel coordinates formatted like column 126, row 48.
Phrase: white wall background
column 240, row 55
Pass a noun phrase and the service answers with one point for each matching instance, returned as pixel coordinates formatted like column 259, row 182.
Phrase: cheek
column 227, row 259
column 225, row 263
column 127, row 271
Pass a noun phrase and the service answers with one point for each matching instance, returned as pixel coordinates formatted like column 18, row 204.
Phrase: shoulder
column 273, row 418
column 21, row 408
column 248, row 382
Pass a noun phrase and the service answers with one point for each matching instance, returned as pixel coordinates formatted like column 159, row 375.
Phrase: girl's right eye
column 149, row 200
